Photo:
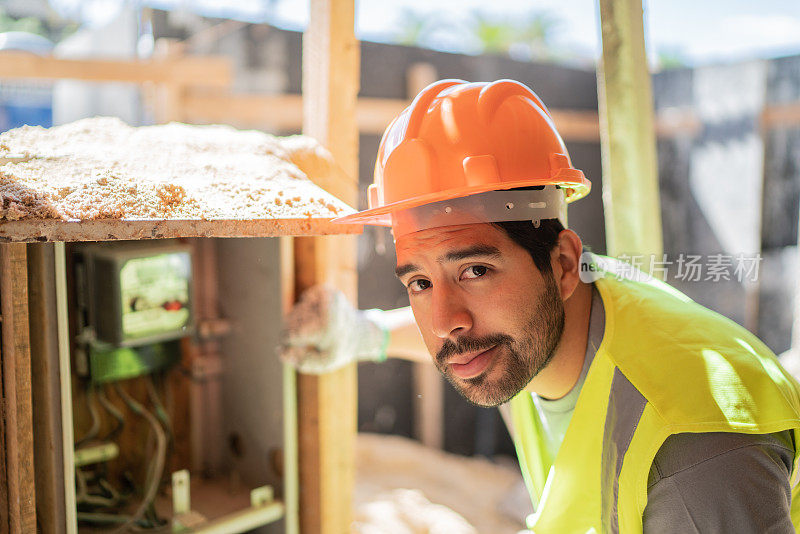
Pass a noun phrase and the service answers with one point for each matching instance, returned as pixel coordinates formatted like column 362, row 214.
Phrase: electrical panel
column 135, row 293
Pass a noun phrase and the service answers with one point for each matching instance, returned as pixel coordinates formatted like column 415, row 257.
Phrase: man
column 632, row 407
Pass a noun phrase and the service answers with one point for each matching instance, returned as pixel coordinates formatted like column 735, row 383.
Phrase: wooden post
column 428, row 381
column 291, row 462
column 327, row 403
column 630, row 171
column 46, row 389
column 17, row 493
column 65, row 378
column 169, row 104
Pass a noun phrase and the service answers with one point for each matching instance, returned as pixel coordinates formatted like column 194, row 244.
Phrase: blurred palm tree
column 414, row 27
column 528, row 37
column 25, row 24
column 494, row 35
column 671, row 58
column 538, row 31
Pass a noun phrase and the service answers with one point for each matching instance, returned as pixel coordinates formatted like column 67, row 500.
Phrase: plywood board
column 113, row 229
column 100, row 179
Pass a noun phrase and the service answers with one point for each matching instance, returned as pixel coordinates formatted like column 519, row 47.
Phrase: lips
column 472, row 364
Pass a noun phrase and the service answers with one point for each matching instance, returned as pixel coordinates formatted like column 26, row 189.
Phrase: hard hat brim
column 382, row 216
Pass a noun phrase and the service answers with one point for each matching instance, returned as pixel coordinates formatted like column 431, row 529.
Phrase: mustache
column 470, row 344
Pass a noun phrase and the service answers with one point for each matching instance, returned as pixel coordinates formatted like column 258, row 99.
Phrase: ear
column 566, row 262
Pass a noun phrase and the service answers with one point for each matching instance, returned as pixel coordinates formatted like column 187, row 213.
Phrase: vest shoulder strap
column 667, row 345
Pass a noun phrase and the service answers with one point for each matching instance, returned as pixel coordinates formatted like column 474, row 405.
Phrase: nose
column 450, row 316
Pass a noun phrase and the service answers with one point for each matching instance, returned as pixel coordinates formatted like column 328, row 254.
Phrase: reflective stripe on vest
column 625, row 407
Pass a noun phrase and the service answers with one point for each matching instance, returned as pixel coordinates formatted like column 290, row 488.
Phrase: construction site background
column 729, row 175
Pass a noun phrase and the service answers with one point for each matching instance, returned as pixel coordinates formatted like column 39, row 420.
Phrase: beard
column 523, row 357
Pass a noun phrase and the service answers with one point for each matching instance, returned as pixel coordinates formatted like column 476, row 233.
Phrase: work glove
column 324, row 332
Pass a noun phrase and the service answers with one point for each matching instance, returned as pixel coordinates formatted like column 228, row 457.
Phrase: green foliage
column 671, row 59
column 414, row 28
column 50, row 25
column 538, row 31
column 26, row 24
column 528, row 37
column 495, row 35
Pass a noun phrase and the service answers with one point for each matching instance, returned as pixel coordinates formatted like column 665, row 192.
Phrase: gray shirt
column 708, row 482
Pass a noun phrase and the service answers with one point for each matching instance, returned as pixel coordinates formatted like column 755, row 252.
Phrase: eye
column 474, row 271
column 419, row 284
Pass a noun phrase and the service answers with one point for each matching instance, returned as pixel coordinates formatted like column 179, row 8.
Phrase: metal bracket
column 96, row 454
column 261, row 496
column 183, row 518
column 181, row 497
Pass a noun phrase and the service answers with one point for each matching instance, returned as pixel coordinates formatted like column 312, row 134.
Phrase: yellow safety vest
column 666, row 365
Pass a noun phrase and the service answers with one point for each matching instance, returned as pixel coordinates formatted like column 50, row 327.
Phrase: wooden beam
column 428, row 391
column 373, row 115
column 169, row 95
column 630, row 171
column 279, row 113
column 785, row 115
column 327, row 404
column 284, row 113
column 677, row 122
column 18, row 515
column 205, row 71
column 46, row 389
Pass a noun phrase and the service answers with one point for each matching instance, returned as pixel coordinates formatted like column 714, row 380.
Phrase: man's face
column 490, row 319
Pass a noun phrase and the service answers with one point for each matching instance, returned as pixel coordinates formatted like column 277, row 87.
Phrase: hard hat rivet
column 448, row 209
column 510, row 206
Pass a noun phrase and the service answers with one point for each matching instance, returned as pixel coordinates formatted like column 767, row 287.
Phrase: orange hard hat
column 459, row 139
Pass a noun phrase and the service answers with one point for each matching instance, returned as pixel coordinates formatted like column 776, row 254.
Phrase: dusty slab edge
column 45, row 230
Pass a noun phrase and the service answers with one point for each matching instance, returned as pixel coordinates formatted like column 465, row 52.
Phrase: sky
column 702, row 31
column 697, row 31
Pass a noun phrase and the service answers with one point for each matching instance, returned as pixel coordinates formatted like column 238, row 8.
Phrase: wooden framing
column 630, row 171
column 17, row 498
column 428, row 382
column 282, row 113
column 46, row 389
column 183, row 70
column 197, row 89
column 334, row 115
column 327, row 403
column 328, row 443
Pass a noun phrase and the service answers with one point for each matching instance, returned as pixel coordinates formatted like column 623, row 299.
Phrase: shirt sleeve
column 721, row 482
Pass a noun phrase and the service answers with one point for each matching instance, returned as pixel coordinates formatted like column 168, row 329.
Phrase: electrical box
column 134, row 293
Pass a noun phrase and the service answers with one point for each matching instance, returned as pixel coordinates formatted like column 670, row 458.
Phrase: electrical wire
column 161, row 412
column 95, row 517
column 82, row 495
column 114, row 411
column 162, row 415
column 156, row 467
column 93, row 412
column 108, row 488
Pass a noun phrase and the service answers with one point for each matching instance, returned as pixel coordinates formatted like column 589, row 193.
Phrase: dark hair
column 539, row 242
